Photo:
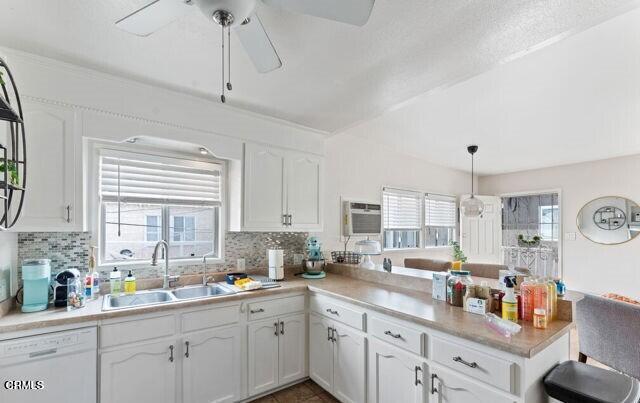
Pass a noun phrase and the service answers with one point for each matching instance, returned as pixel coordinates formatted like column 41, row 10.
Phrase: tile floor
column 307, row 391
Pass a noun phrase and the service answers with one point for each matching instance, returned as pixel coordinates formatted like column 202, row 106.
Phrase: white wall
column 358, row 169
column 8, row 259
column 587, row 266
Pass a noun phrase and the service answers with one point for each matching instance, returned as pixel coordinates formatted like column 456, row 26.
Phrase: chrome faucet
column 167, row 281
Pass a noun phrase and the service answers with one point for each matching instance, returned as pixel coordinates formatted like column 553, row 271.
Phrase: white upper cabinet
column 264, row 188
column 303, row 192
column 282, row 190
column 53, row 196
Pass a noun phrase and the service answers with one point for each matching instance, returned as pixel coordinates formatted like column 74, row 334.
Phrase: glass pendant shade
column 472, row 207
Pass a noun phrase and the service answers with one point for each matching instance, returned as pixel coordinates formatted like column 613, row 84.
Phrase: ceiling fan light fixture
column 472, row 207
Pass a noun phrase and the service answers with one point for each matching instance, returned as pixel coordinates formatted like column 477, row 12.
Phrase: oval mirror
column 609, row 220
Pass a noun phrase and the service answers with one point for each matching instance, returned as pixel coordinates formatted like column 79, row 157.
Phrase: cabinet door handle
column 394, row 335
column 281, row 327
column 467, row 363
column 259, row 310
column 290, row 220
column 275, row 325
column 417, row 381
column 434, row 390
column 171, row 353
column 329, row 333
column 333, row 334
column 186, row 344
column 284, row 219
column 68, row 208
column 332, row 312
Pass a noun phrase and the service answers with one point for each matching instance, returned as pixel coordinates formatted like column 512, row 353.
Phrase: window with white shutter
column 146, row 198
column 439, row 220
column 402, row 218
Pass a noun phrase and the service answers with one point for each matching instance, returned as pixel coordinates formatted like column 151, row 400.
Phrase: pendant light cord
column 222, row 97
column 471, row 175
column 229, row 58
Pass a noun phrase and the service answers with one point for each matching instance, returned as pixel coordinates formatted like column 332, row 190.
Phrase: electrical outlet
column 570, row 236
column 240, row 264
column 297, row 258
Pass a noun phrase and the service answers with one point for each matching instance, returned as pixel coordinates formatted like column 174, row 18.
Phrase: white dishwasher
column 51, row 367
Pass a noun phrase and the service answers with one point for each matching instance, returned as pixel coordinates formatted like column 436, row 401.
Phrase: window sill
column 146, row 264
column 437, row 247
column 401, row 250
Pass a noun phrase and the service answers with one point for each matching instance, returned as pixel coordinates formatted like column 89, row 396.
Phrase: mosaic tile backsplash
column 71, row 250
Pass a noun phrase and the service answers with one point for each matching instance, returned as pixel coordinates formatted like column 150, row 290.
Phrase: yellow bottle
column 130, row 284
column 552, row 300
column 509, row 302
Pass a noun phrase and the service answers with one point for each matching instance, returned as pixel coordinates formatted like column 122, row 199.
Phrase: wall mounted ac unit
column 361, row 219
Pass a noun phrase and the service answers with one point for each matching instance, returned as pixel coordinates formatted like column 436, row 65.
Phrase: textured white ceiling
column 334, row 75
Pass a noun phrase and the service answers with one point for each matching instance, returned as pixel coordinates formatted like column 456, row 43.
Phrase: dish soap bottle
column 509, row 301
column 115, row 281
column 95, row 276
column 130, row 284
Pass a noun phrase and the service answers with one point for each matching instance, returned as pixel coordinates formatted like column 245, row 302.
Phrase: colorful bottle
column 526, row 290
column 552, row 296
column 130, row 284
column 540, row 318
column 509, row 301
column 540, row 296
column 95, row 277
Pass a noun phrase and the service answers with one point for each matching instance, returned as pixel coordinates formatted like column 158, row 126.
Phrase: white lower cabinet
column 447, row 386
column 337, row 356
column 395, row 375
column 277, row 352
column 211, row 366
column 127, row 374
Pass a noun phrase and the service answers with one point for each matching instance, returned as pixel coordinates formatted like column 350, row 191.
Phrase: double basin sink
column 155, row 297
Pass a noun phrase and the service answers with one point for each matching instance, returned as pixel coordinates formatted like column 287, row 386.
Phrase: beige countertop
column 414, row 306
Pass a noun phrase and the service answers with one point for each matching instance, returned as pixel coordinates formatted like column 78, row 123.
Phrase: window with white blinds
column 129, row 177
column 147, row 198
column 401, row 209
column 439, row 220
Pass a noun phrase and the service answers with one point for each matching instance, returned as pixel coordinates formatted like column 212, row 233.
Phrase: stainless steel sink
column 156, row 297
column 201, row 291
column 141, row 298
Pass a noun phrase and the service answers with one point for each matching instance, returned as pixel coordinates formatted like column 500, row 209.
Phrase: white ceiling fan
column 240, row 16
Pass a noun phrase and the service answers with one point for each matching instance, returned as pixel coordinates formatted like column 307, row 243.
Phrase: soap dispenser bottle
column 130, row 283
column 115, row 281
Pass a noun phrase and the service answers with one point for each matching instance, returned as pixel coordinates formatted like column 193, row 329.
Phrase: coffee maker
column 60, row 286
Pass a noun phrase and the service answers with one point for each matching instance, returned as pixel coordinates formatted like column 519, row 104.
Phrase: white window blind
column 140, row 178
column 439, row 210
column 401, row 209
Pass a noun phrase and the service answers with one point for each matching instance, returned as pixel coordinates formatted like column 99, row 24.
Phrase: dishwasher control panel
column 51, row 342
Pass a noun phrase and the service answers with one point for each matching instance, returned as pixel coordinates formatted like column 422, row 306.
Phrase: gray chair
column 609, row 332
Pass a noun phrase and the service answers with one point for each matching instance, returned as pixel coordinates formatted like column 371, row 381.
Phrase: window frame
column 422, row 231
column 95, row 222
column 553, row 222
column 455, row 227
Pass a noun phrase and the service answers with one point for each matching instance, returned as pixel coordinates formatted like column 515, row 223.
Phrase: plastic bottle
column 540, row 296
column 94, row 291
column 509, row 301
column 504, row 327
column 130, row 284
column 552, row 296
column 115, row 281
column 526, row 290
column 540, row 318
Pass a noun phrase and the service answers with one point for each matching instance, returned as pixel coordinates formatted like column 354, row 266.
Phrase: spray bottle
column 509, row 301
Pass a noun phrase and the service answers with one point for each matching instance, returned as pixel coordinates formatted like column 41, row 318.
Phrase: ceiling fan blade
column 258, row 46
column 153, row 16
column 354, row 12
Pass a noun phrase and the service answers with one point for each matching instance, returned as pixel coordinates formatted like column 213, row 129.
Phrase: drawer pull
column 434, row 390
column 417, row 380
column 467, row 363
column 332, row 312
column 259, row 310
column 394, row 335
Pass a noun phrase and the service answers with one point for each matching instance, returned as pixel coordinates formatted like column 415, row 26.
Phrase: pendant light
column 472, row 207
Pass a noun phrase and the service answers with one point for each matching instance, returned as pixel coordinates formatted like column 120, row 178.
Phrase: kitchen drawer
column 336, row 311
column 398, row 335
column 492, row 370
column 131, row 331
column 275, row 307
column 210, row 317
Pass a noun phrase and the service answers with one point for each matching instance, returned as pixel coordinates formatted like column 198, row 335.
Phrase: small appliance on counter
column 367, row 248
column 36, row 278
column 60, row 291
column 276, row 264
column 314, row 264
